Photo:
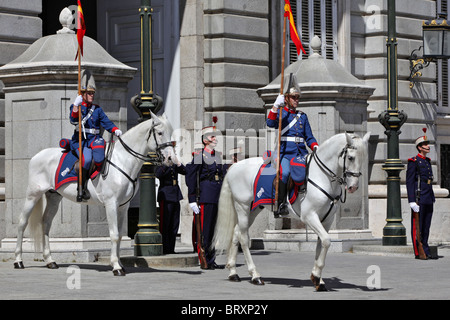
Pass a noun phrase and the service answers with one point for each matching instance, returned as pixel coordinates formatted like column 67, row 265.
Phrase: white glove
column 118, row 133
column 175, row 160
column 414, row 206
column 78, row 101
column 194, row 207
column 316, row 147
column 279, row 102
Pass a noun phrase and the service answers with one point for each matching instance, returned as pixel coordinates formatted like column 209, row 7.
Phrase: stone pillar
column 20, row 26
column 335, row 102
column 39, row 87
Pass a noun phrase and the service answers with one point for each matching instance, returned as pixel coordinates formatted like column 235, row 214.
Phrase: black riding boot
column 86, row 195
column 282, row 206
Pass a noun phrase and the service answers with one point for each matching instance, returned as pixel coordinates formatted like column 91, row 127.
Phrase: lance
column 81, row 29
column 80, row 144
column 277, row 179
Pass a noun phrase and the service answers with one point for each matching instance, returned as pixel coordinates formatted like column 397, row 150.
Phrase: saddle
column 68, row 168
column 264, row 186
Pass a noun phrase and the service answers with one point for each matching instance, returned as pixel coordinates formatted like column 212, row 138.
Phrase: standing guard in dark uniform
column 419, row 185
column 169, row 196
column 204, row 176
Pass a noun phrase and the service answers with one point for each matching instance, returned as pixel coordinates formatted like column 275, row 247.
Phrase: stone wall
column 19, row 27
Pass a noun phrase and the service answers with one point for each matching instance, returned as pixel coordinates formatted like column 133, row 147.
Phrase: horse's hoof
column 320, row 287
column 119, row 272
column 52, row 265
column 19, row 265
column 258, row 281
column 234, row 278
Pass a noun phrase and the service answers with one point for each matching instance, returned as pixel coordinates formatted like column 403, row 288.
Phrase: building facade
column 211, row 57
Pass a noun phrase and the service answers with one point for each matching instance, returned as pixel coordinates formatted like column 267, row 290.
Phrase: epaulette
column 412, row 159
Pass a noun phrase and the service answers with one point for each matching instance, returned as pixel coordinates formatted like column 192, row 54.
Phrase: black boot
column 282, row 206
column 86, row 195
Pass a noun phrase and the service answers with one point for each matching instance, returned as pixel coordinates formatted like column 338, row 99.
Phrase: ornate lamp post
column 436, row 38
column 394, row 233
column 148, row 240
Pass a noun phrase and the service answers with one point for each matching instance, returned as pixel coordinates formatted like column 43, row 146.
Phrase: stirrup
column 85, row 194
column 282, row 211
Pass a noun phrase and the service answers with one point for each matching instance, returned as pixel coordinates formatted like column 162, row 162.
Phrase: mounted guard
column 295, row 131
column 93, row 116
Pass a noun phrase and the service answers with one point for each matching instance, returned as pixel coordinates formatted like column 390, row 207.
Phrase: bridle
column 160, row 158
column 342, row 181
column 346, row 173
column 157, row 161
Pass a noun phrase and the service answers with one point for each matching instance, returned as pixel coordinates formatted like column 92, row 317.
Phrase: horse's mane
column 332, row 141
column 147, row 124
column 340, row 138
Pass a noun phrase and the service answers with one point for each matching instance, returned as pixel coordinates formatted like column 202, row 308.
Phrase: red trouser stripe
column 414, row 236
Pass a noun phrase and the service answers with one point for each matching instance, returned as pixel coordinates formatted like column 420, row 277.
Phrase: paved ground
column 286, row 276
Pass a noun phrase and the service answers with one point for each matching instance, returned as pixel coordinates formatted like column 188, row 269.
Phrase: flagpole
column 80, row 144
column 277, row 181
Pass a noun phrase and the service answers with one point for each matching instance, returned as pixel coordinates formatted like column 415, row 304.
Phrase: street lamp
column 436, row 45
column 394, row 233
column 436, row 37
column 148, row 240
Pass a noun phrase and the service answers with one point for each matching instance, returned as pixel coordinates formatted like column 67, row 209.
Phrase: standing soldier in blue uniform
column 92, row 116
column 204, row 176
column 169, row 196
column 295, row 132
column 419, row 185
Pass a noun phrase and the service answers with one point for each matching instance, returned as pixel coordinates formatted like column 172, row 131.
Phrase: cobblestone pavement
column 286, row 276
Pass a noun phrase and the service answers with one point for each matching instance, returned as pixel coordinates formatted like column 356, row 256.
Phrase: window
column 315, row 17
column 442, row 71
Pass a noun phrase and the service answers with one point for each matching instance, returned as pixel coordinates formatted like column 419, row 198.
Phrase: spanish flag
column 293, row 31
column 81, row 28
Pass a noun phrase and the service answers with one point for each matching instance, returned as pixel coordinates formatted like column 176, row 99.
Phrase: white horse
column 113, row 192
column 336, row 163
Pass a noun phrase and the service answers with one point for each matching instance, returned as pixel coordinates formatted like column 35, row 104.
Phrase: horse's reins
column 334, row 177
column 138, row 156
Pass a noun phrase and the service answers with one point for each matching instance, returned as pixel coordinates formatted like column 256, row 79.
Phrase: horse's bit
column 341, row 180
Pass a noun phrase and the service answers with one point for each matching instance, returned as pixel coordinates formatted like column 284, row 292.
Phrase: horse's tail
column 35, row 224
column 226, row 219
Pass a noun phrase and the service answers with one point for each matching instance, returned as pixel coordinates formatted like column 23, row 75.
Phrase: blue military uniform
column 204, row 176
column 169, row 196
column 296, row 131
column 93, row 144
column 420, row 166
